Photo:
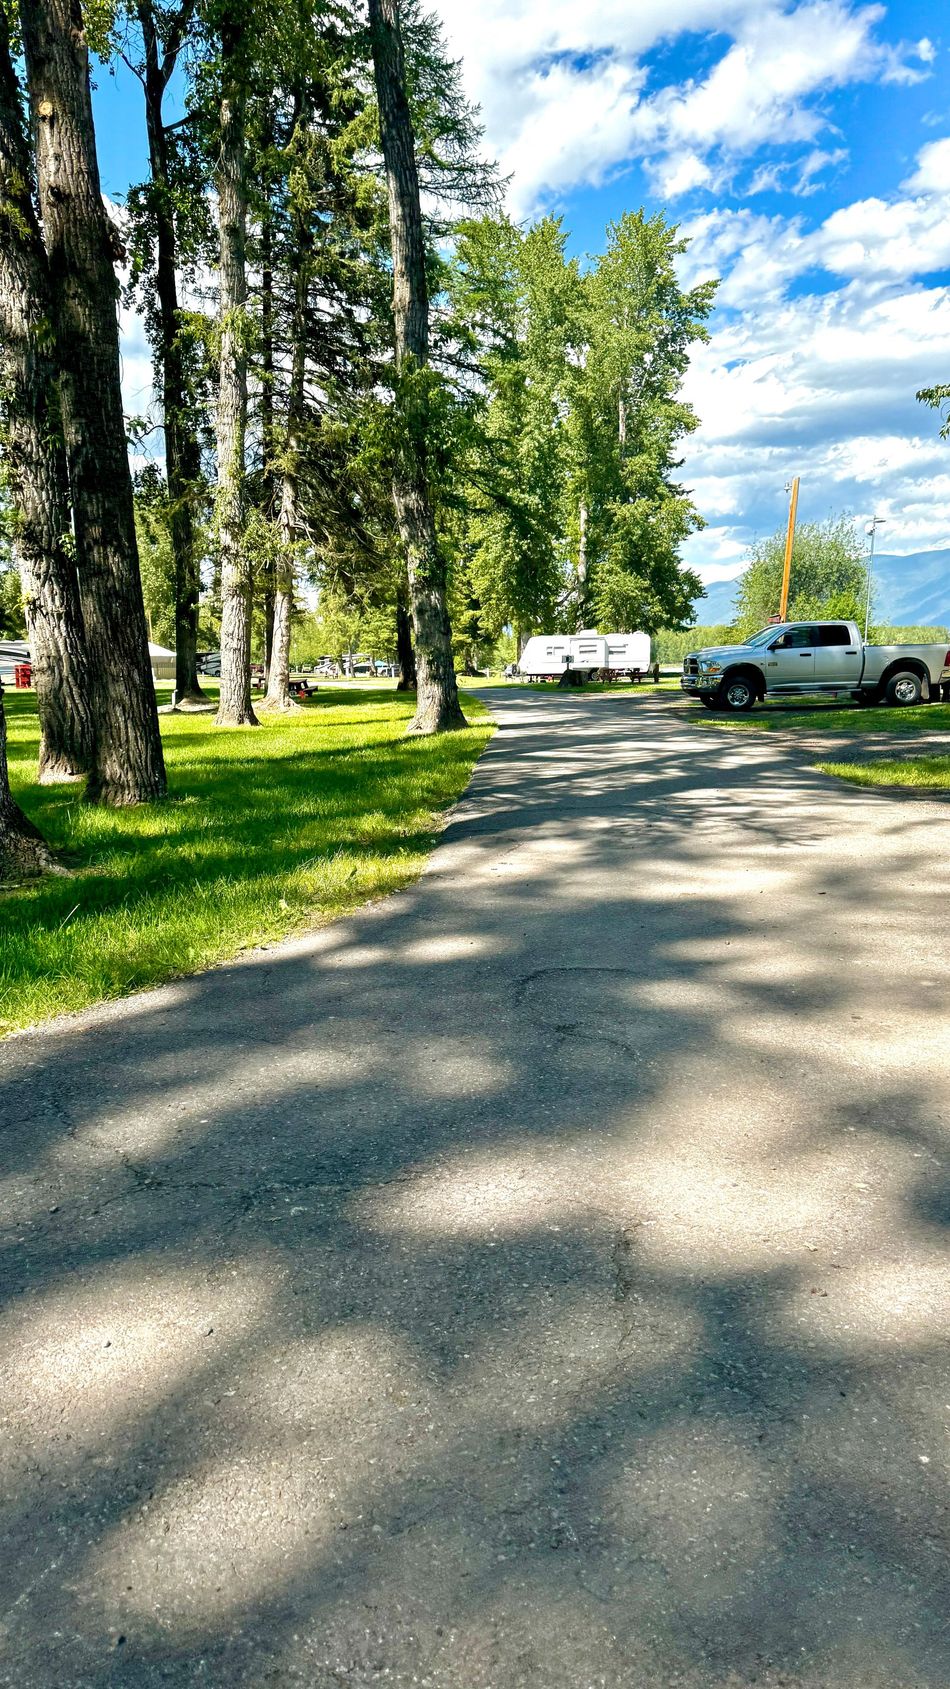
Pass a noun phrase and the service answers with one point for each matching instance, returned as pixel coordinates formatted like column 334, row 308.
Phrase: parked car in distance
column 795, row 659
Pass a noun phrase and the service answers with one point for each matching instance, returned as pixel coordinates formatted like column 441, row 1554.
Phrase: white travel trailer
column 546, row 656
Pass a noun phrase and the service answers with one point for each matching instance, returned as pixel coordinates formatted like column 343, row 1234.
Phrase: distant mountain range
column 911, row 591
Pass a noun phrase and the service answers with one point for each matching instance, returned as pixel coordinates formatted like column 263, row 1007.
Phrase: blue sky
column 804, row 148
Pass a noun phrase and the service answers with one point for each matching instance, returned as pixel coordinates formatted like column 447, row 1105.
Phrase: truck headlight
column 711, row 668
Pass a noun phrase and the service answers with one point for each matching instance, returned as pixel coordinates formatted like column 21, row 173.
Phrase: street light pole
column 871, row 529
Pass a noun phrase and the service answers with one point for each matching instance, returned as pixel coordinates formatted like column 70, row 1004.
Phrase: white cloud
column 679, row 172
column 822, row 387
column 814, row 165
column 878, row 241
column 565, row 101
column 932, row 174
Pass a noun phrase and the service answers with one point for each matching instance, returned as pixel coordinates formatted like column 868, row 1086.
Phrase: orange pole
column 789, row 543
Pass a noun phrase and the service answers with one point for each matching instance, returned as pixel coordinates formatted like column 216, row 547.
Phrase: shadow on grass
column 265, row 827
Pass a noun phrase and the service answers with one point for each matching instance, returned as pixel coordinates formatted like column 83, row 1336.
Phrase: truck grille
column 690, row 665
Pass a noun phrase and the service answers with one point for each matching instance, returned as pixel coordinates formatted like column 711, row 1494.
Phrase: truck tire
column 904, row 689
column 736, row 694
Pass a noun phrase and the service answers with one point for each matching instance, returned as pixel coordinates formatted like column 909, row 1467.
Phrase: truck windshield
column 763, row 635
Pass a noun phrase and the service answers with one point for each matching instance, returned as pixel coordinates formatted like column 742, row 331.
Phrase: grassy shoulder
column 919, row 774
column 832, row 718
column 266, row 830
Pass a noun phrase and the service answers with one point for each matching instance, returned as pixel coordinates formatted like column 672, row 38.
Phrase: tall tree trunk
column 182, row 450
column 405, row 655
column 35, row 459
column 234, row 709
column 268, row 430
column 582, row 563
column 438, row 707
column 82, row 245
column 24, row 852
column 278, row 681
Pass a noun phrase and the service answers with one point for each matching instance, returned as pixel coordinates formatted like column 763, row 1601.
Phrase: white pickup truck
column 791, row 659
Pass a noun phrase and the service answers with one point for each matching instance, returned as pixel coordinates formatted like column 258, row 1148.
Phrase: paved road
column 536, row 1282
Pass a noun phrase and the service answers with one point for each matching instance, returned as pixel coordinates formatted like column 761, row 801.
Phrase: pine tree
column 157, row 210
column 438, row 707
column 234, row 708
column 127, row 765
column 34, row 456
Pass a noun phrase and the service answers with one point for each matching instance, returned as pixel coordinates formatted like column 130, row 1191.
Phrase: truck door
column 790, row 661
column 837, row 656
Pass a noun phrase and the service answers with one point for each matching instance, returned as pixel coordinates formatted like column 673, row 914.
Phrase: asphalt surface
column 538, row 1280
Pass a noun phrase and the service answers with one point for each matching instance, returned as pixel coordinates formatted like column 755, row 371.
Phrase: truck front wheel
column 904, row 688
column 737, row 693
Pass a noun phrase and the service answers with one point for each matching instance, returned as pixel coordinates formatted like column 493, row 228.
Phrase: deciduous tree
column 629, row 514
column 828, row 575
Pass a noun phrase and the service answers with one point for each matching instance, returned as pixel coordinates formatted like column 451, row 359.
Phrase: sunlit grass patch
column 266, row 830
column 920, row 774
column 828, row 718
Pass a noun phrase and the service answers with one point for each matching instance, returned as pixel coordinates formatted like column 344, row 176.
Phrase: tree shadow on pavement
column 539, row 1279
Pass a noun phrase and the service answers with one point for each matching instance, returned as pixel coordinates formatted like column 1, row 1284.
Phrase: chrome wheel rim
column 738, row 694
column 905, row 691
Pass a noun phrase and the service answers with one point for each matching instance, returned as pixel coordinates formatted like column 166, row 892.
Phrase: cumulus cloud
column 932, row 174
column 566, row 98
column 822, row 387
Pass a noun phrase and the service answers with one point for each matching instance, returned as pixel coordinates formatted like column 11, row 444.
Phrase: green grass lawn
column 265, row 830
column 832, row 718
column 921, row 774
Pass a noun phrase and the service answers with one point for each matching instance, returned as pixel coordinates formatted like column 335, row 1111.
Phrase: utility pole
column 789, row 544
column 871, row 529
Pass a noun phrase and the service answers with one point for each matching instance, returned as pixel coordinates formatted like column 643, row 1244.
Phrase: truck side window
column 793, row 638
column 833, row 633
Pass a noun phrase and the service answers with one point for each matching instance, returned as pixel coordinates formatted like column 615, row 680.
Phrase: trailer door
column 589, row 653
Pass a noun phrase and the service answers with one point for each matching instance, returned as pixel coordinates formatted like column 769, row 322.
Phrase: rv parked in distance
column 546, row 656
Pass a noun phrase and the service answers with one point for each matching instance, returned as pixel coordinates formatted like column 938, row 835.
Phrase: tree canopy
column 828, row 575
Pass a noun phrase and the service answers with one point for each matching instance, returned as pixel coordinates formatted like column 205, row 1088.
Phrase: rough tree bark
column 278, row 677
column 235, row 708
column 24, row 852
column 405, row 655
column 182, row 449
column 268, row 429
column 34, row 456
column 82, row 246
column 438, row 707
